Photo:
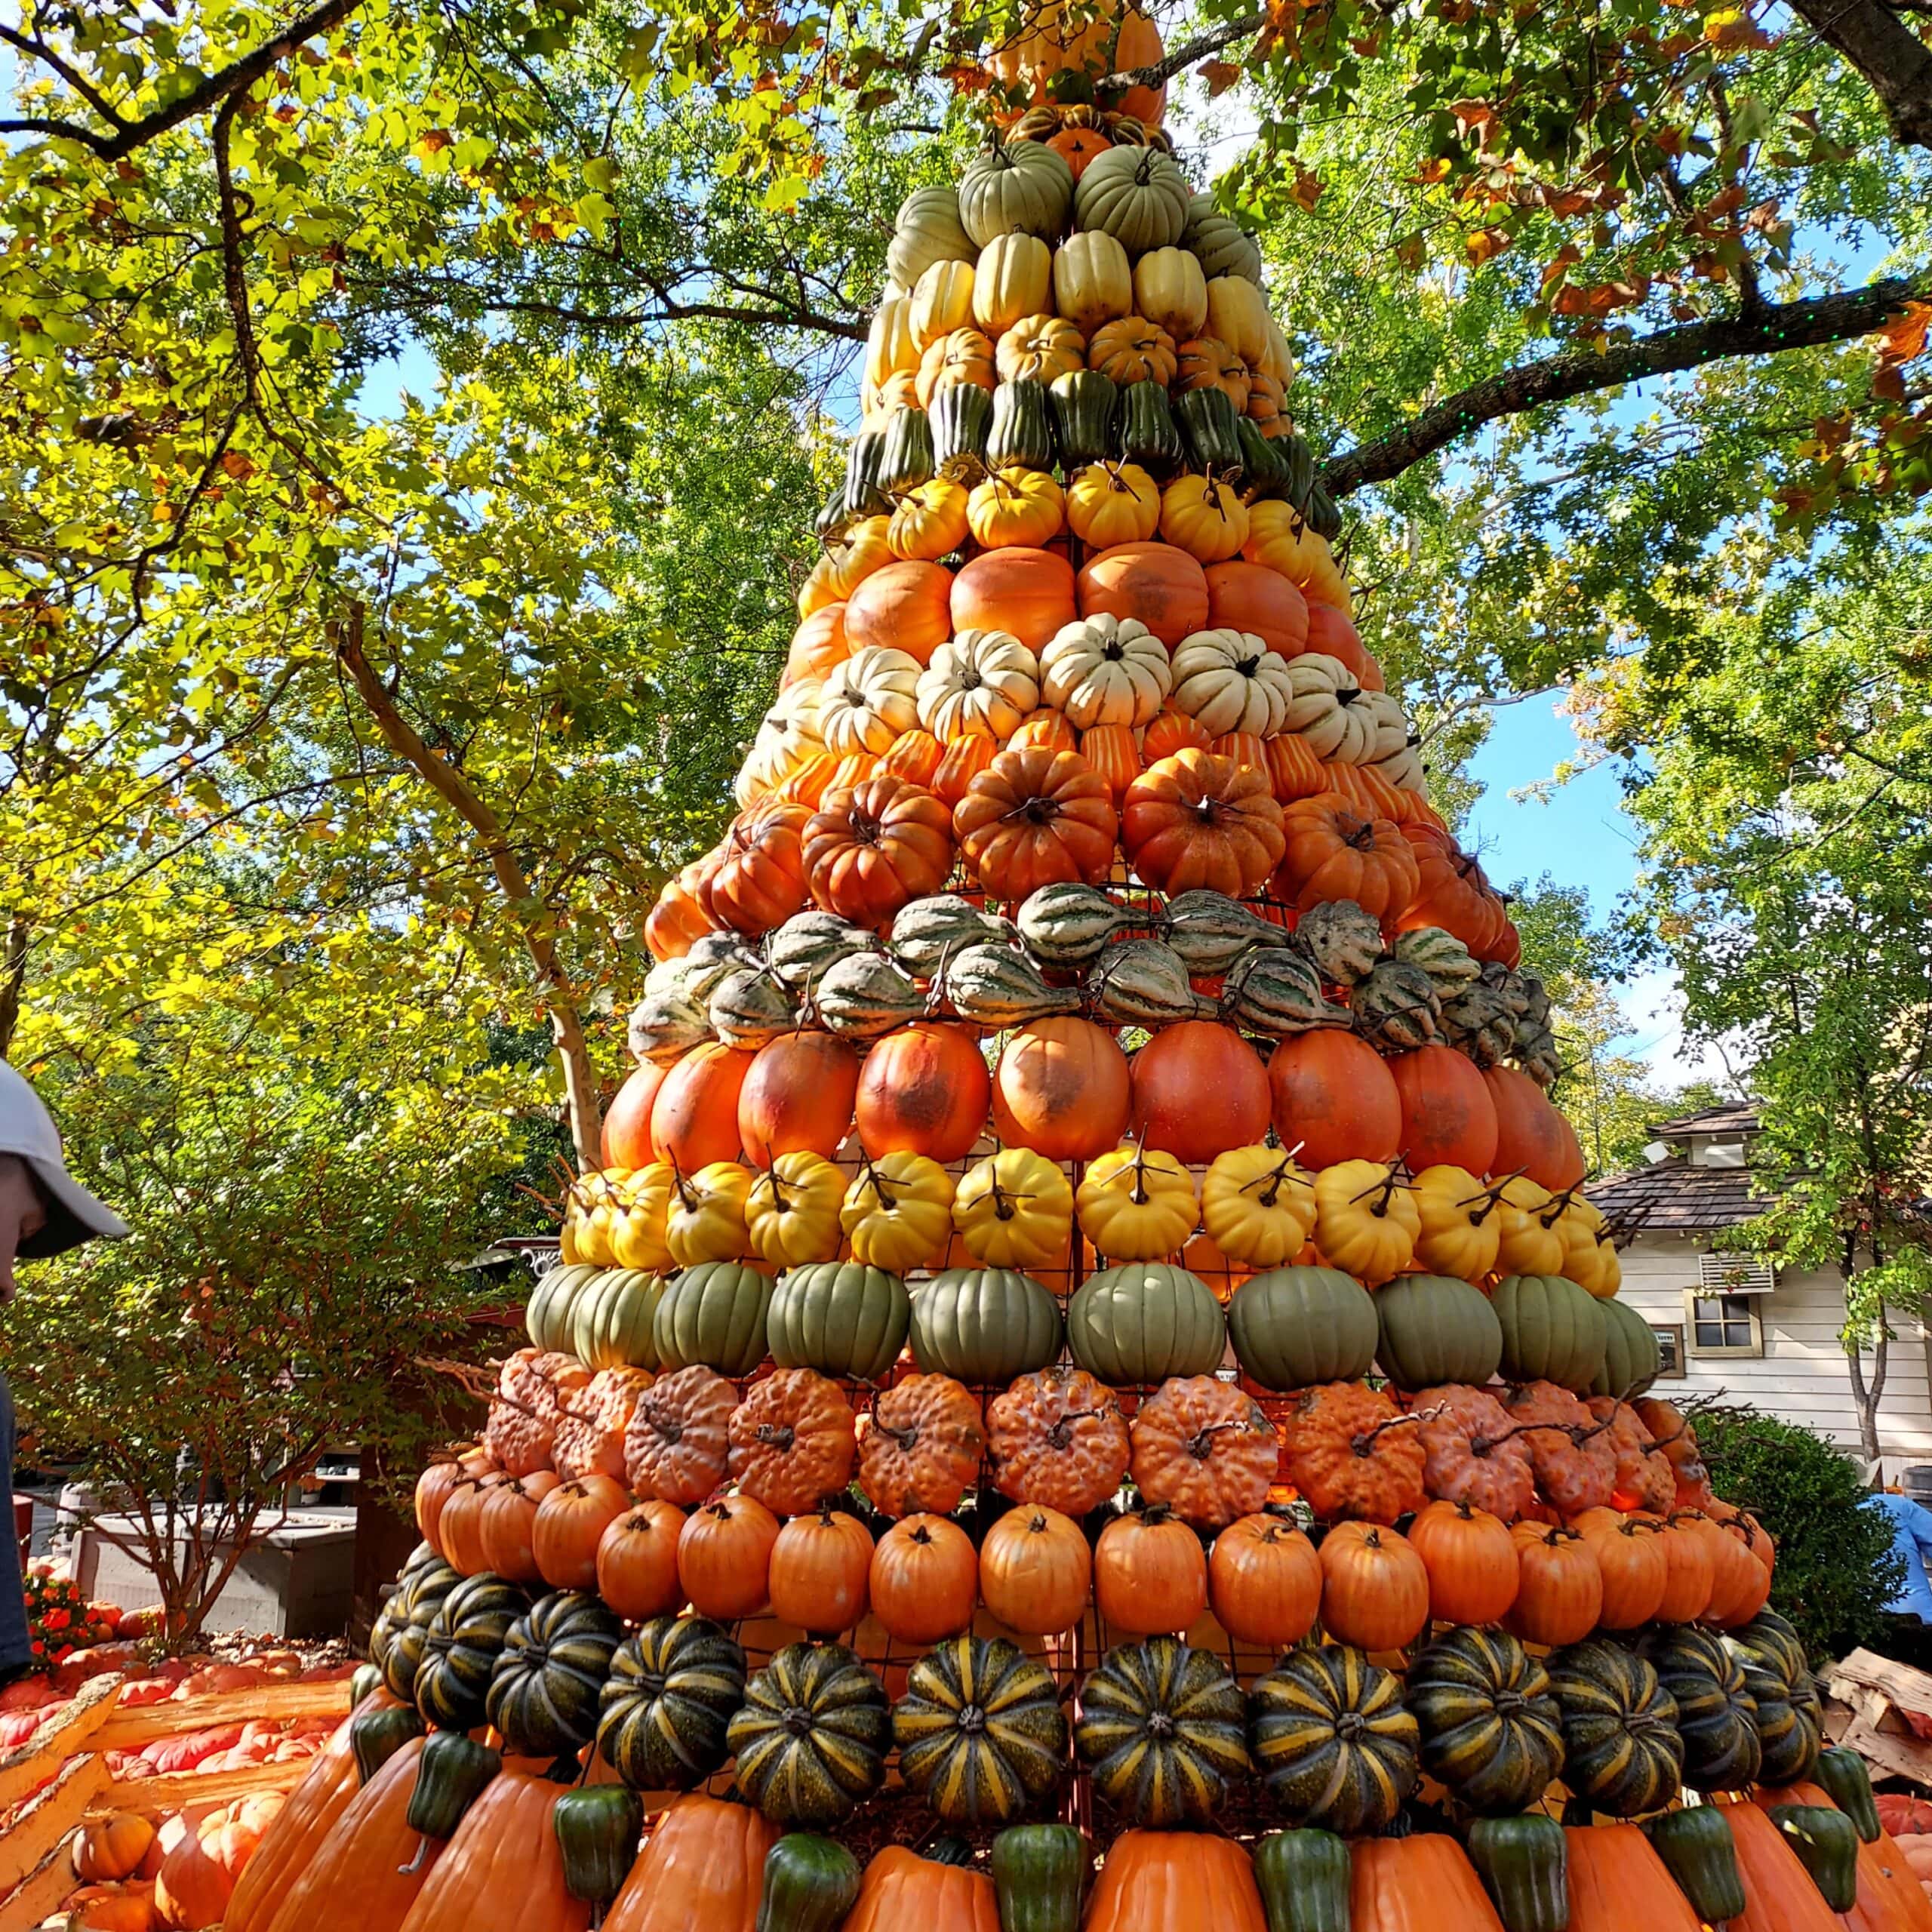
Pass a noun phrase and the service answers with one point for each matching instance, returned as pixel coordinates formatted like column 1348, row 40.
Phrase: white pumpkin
column 981, row 685
column 869, row 701
column 787, row 735
column 1105, row 670
column 1230, row 680
column 1392, row 728
column 1403, row 770
column 1322, row 709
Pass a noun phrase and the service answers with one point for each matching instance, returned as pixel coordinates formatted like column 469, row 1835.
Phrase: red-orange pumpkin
column 1162, row 587
column 1062, row 1089
column 1532, row 1135
column 1471, row 1560
column 1027, row 593
column 798, row 1095
column 1195, row 819
column 906, row 606
column 924, row 1580
column 694, row 1118
column 1251, row 598
column 1333, row 1097
column 1330, row 633
column 1150, row 1573
column 637, row 1561
column 506, row 1524
column 923, row 1090
column 1264, row 1582
column 1036, row 818
column 569, row 1527
column 871, row 847
column 1335, row 852
column 627, row 1120
column 1448, row 1118
column 724, row 1556
column 1559, row 1589
column 760, row 881
column 820, row 1566
column 1198, row 1089
column 819, row 645
column 1374, row 1587
column 1036, row 1572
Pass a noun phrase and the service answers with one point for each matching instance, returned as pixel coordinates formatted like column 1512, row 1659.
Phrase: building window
column 1723, row 1325
column 1670, row 1350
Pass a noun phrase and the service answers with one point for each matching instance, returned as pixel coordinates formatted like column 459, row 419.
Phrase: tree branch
column 1894, row 61
column 457, row 792
column 128, row 135
column 1842, row 317
column 1169, row 65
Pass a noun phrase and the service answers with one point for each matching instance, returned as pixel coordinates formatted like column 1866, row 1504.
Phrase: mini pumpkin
column 677, row 1443
column 1137, row 1204
column 1332, row 1740
column 1014, row 1209
column 812, row 1736
column 1161, row 1732
column 1352, row 1454
column 1257, row 1206
column 1491, row 1730
column 871, row 847
column 1365, row 1220
column 1193, row 819
column 980, row 1733
column 1034, row 817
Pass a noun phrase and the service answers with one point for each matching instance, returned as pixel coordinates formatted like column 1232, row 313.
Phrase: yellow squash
column 706, row 1221
column 1137, row 1204
column 1365, row 1220
column 791, row 1212
column 637, row 1230
column 1022, row 507
column 1113, row 503
column 898, row 1213
column 1527, row 1240
column 1590, row 1255
column 929, row 522
column 1460, row 1225
column 1257, row 1206
column 1015, row 1210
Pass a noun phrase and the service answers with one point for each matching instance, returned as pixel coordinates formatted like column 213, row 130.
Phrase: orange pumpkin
column 694, row 1118
column 1170, row 731
column 1036, row 1572
column 506, row 1524
column 873, row 847
column 1333, row 1097
column 901, row 1889
column 1471, row 1454
column 1779, row 1894
column 1036, row 818
column 1057, row 1437
column 1198, row 1088
column 1617, row 1880
column 1150, row 1573
column 1630, row 1558
column 1062, row 1088
column 906, row 605
column 1471, row 1560
column 626, row 1141
column 677, row 1445
column 1043, row 730
column 1352, row 1453
column 961, row 761
column 1029, row 593
column 1111, row 750
column 920, row 1447
column 1077, row 146
column 1264, row 1582
column 1559, row 1590
column 914, row 755
column 760, row 878
column 680, row 915
column 924, row 1580
column 923, row 1090
column 1690, row 1572
column 798, row 1095
column 1532, row 1135
column 1175, row 1882
column 110, row 1847
column 569, row 1530
column 1448, row 1118
column 1197, row 820
column 128, row 1907
column 793, row 1441
column 1330, row 632
column 1396, row 1885
column 504, row 1866
column 1161, row 586
column 637, row 1561
column 818, row 1569
column 1374, row 1587
column 1252, row 598
column 724, row 1557
column 819, row 645
column 1204, row 1449
column 434, row 1487
column 1334, row 853
column 702, row 1866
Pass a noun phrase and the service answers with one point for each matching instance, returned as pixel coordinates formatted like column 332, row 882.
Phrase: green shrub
column 1836, row 1568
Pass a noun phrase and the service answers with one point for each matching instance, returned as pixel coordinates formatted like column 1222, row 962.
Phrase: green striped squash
column 612, row 1319
column 811, row 1736
column 1160, row 1730
column 465, row 1638
column 544, row 1690
column 840, row 1318
column 1553, row 1331
column 1621, row 1751
column 1491, row 1732
column 547, row 1318
column 1716, row 1713
column 666, row 1708
column 712, row 1315
column 415, row 1603
column 980, row 1733
column 1332, row 1740
column 1789, row 1719
column 984, row 1325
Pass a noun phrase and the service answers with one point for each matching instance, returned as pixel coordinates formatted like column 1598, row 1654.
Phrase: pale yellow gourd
column 1013, row 278
column 1015, row 1210
column 1237, row 316
column 889, row 346
column 706, row 1221
column 1365, row 1220
column 1458, row 1230
column 1093, row 282
column 942, row 302
column 1170, row 292
column 897, row 1213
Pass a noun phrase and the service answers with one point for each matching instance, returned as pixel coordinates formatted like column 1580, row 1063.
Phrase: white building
column 1764, row 1335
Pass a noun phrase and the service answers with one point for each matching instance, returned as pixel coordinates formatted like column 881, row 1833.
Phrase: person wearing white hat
column 43, row 1211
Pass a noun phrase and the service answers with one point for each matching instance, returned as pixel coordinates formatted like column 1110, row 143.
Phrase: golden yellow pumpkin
column 1016, row 507
column 1460, row 1230
column 1277, row 538
column 1137, row 1204
column 1037, row 349
column 1526, row 1241
column 1365, row 1220
column 848, row 561
column 1170, row 291
column 791, row 1212
column 1589, row 1255
column 637, row 1230
column 1113, row 503
column 1257, row 1206
column 706, row 1221
column 929, row 522
column 897, row 1213
column 1015, row 1210
column 1204, row 517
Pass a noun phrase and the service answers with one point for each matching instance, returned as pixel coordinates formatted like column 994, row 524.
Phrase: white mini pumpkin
column 981, row 685
column 1105, row 670
column 1392, row 728
column 1323, row 708
column 787, row 735
column 1230, row 680
column 869, row 701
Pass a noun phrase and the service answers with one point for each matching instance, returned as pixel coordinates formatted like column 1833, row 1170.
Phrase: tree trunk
column 1866, row 1392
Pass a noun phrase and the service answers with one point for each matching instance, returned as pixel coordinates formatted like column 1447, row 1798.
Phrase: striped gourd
column 1275, row 991
column 864, row 995
column 996, row 986
column 611, row 1320
column 811, row 1737
column 547, row 1318
column 1142, row 983
column 1211, row 932
column 1330, row 1736
column 929, row 932
column 1716, row 1713
column 1067, row 924
column 980, row 1733
column 1160, row 1730
column 801, row 950
column 1621, row 1750
column 1491, row 1731
column 751, row 1007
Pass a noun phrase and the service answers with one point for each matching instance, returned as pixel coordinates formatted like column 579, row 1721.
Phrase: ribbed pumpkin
column 841, row 1317
column 1553, row 1331
column 818, row 1575
column 1161, row 1732
column 1787, row 1715
column 664, row 1711
column 297, row 1832
column 1036, row 1571
column 1559, row 1585
column 543, row 1691
column 983, row 1325
column 1616, row 1880
column 1435, row 1329
column 980, row 1733
column 1144, row 1320
column 703, row 1863
column 1332, row 1740
column 1621, row 1749
column 1491, row 1731
column 1715, row 1710
column 460, row 1649
column 1150, row 1573
column 1292, row 1327
column 920, row 1447
column 811, row 1736
column 713, row 1316
column 1424, row 1880
column 1174, row 1881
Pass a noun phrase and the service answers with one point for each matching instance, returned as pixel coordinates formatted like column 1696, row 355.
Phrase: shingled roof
column 1741, row 1117
column 1671, row 1196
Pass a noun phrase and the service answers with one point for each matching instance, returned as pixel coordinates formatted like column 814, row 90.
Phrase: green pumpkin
column 368, row 1678
column 810, row 1884
column 713, row 1315
column 1436, row 1331
column 1826, row 1843
column 841, row 1317
column 984, row 1326
column 1523, row 1865
column 811, row 1737
column 547, row 1318
column 980, row 1733
column 1303, row 1877
column 1293, row 1327
column 1138, row 1324
column 1716, row 1713
column 612, row 1320
column 597, row 1828
column 1631, row 1356
column 1622, row 1753
column 460, row 1649
column 667, row 1706
column 1160, row 1731
column 1843, row 1777
column 543, row 1692
column 1491, row 1730
column 419, row 1596
column 1332, row 1740
column 1701, row 1856
column 376, row 1736
column 1771, row 1638
column 1789, row 1718
column 450, row 1776
column 1041, row 1873
column 1553, row 1331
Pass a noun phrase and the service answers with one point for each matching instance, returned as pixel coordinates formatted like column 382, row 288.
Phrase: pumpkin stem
column 1364, row 1445
column 415, row 1865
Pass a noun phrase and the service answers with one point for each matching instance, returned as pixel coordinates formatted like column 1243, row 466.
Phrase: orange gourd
column 819, row 645
column 1204, row 1449
column 1264, row 1582
column 1036, row 1572
column 506, row 1525
column 906, row 606
column 963, row 761
column 1163, row 587
column 503, row 1867
column 1029, row 593
column 1057, row 1437
column 1330, row 632
column 1631, row 1560
column 1689, row 1574
column 1471, row 1559
column 797, row 1096
column 1043, row 730
column 128, row 1907
column 924, row 1581
column 1198, row 1088
column 1448, row 1118
column 923, row 1090
column 914, row 755
column 1351, row 1452
column 637, row 1561
column 1150, row 1573
column 725, row 1556
column 569, row 1527
column 872, row 848
column 921, row 1447
column 1375, row 1589
column 676, row 1446
column 1170, row 731
column 1111, row 750
column 760, row 880
column 1062, row 1088
column 793, row 1441
column 702, row 1870
column 111, row 1847
column 1333, row 1096
column 694, row 1118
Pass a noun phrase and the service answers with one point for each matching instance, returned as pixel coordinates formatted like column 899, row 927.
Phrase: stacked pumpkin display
column 981, row 1386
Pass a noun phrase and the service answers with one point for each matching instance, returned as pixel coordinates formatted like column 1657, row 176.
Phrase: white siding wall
column 1802, row 1376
